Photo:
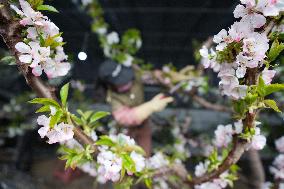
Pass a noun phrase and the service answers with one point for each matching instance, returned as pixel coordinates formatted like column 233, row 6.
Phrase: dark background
column 168, row 29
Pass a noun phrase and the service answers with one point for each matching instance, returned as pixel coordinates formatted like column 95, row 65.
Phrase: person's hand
column 159, row 102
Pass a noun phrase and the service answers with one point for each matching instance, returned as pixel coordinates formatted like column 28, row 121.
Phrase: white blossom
column 266, row 185
column 258, row 141
column 122, row 139
column 59, row 133
column 278, row 167
column 40, row 58
column 29, row 16
column 86, row 2
column 157, row 161
column 110, row 166
column 201, row 168
column 279, row 143
column 223, row 135
column 139, row 161
column 238, row 127
column 112, row 38
column 89, row 168
column 128, row 61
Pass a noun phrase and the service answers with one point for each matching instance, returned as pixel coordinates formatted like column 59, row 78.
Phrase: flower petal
column 25, row 58
column 37, row 71
column 22, row 47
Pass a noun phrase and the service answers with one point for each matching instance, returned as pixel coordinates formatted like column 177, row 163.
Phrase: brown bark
column 257, row 174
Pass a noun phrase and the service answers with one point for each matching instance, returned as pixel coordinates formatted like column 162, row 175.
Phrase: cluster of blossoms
column 181, row 142
column 242, row 47
column 58, row 133
column 224, row 135
column 112, row 39
column 219, row 183
column 157, row 161
column 121, row 50
column 278, row 166
column 42, row 48
column 110, row 166
column 222, row 182
column 110, row 163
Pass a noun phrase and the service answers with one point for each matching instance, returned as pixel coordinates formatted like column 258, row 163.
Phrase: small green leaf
column 275, row 50
column 45, row 101
column 55, row 119
column 45, row 108
column 269, row 89
column 128, row 163
column 9, row 60
column 47, row 8
column 106, row 141
column 77, row 120
column 99, row 115
column 272, row 104
column 148, row 182
column 64, row 94
column 35, row 3
column 261, row 87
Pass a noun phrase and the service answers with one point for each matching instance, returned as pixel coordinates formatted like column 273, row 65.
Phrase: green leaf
column 87, row 114
column 148, row 182
column 77, row 120
column 99, row 115
column 35, row 3
column 55, row 118
column 269, row 89
column 9, row 60
column 261, row 87
column 47, row 8
column 251, row 98
column 106, row 141
column 272, row 104
column 45, row 108
column 139, row 150
column 64, row 94
column 275, row 50
column 128, row 163
column 45, row 101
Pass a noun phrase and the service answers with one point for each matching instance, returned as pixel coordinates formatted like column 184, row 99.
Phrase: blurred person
column 125, row 93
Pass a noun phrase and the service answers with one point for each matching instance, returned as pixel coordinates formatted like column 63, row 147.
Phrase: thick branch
column 257, row 176
column 239, row 145
column 10, row 30
column 208, row 105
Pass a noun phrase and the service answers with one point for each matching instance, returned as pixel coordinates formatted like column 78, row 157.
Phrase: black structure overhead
column 167, row 27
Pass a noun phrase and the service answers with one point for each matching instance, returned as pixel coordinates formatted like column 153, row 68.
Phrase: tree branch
column 208, row 105
column 10, row 30
column 257, row 176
